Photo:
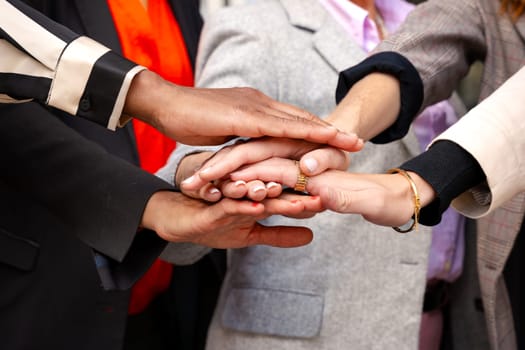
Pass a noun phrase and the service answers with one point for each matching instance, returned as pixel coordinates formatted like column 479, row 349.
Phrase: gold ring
column 302, row 180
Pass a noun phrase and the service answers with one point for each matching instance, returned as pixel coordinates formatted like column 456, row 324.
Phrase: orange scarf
column 152, row 38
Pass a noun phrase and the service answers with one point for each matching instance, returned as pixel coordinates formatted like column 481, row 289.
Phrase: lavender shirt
column 447, row 247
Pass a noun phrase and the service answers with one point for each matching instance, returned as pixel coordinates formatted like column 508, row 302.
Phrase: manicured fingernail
column 272, row 184
column 258, row 188
column 360, row 143
column 213, row 190
column 311, row 164
column 240, row 182
column 189, row 180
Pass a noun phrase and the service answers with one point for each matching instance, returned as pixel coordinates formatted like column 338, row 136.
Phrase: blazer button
column 85, row 104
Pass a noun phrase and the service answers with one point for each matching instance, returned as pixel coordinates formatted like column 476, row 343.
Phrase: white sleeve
column 492, row 133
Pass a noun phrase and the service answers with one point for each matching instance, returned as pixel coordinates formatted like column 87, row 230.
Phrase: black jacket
column 63, row 196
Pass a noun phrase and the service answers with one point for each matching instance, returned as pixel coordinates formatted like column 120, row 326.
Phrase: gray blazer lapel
column 330, row 39
column 332, row 43
column 335, row 46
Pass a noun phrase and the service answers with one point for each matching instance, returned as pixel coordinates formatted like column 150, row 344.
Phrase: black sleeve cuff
column 450, row 170
column 103, row 88
column 410, row 82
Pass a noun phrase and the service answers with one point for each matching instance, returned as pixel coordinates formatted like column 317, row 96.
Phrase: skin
column 233, row 157
column 198, row 116
column 226, row 224
column 362, row 112
column 211, row 116
column 383, row 199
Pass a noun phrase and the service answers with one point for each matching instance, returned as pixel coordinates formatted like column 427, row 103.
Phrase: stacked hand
column 261, row 167
column 212, row 116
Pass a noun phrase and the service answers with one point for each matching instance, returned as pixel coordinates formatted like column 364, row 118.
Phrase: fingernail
column 258, row 188
column 272, row 184
column 213, row 190
column 189, row 180
column 240, row 182
column 255, row 204
column 311, row 164
column 205, row 170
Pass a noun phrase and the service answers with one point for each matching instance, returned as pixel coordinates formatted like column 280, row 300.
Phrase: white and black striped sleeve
column 43, row 60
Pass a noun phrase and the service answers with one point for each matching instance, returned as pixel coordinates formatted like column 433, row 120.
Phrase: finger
column 256, row 190
column 280, row 236
column 319, row 160
column 231, row 158
column 298, row 124
column 234, row 189
column 279, row 206
column 300, row 128
column 273, row 189
column 340, row 201
column 210, row 193
column 379, row 211
column 230, row 207
column 279, row 109
column 311, row 204
column 294, row 112
column 207, row 192
column 283, row 171
column 193, row 183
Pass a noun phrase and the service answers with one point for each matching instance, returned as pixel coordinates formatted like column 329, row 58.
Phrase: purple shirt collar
column 359, row 26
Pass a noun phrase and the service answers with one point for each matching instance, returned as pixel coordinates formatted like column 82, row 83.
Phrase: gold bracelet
column 417, row 202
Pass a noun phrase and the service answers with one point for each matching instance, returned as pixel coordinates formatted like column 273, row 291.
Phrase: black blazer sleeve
column 99, row 197
column 60, row 68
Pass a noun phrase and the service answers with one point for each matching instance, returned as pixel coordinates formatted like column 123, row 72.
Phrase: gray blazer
column 357, row 285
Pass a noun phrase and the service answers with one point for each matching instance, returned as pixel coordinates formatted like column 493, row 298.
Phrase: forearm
column 370, row 107
column 380, row 97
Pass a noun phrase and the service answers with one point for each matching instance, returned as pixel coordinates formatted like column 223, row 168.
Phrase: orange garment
column 152, row 38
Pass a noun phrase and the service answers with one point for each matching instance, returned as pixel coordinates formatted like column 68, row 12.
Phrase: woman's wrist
column 370, row 107
column 427, row 194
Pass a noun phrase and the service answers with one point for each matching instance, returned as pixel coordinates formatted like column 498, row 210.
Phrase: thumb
column 319, row 160
column 336, row 199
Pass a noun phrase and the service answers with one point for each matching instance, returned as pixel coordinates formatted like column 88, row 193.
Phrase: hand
column 233, row 157
column 226, row 224
column 383, row 199
column 198, row 116
column 214, row 191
